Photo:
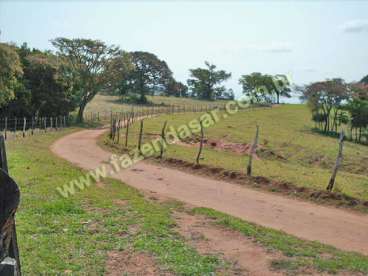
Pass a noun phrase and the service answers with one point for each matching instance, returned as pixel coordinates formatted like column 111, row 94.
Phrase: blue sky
column 311, row 40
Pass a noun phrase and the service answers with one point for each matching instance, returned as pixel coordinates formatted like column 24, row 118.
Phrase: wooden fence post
column 15, row 126
column 118, row 132
column 32, row 125
column 252, row 152
column 24, row 126
column 6, row 128
column 338, row 162
column 140, row 137
column 163, row 140
column 127, row 131
column 200, row 144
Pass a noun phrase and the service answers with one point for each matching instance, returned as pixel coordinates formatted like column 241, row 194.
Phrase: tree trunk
column 80, row 118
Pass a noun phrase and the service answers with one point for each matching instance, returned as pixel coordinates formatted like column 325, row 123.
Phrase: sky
column 308, row 40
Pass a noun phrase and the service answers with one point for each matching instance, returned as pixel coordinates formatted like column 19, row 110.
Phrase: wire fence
column 26, row 126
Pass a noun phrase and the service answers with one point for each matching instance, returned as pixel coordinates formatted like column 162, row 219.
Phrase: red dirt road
column 336, row 227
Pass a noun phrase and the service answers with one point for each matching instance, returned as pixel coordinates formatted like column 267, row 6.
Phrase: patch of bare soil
column 244, row 255
column 131, row 263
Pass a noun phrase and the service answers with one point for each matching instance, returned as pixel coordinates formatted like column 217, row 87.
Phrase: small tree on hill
column 205, row 83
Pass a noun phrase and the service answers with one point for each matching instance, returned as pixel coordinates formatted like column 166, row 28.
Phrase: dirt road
column 339, row 228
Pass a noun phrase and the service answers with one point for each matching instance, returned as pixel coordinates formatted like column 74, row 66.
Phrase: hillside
column 289, row 150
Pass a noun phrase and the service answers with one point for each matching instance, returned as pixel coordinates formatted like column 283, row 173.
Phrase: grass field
column 74, row 235
column 290, row 150
column 104, row 104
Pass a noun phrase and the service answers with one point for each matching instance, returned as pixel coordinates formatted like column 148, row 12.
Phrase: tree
column 263, row 88
column 176, row 88
column 281, row 86
column 86, row 70
column 205, row 82
column 325, row 99
column 358, row 108
column 365, row 80
column 10, row 72
column 147, row 75
column 50, row 93
column 257, row 87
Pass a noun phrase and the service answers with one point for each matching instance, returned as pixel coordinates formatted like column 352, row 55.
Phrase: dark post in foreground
column 338, row 163
column 252, row 152
column 200, row 144
column 9, row 201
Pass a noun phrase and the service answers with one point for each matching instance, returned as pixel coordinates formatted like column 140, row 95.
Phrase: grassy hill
column 289, row 150
column 105, row 103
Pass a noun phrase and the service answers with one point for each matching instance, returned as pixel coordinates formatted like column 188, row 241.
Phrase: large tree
column 88, row 62
column 146, row 75
column 205, row 83
column 10, row 72
column 50, row 92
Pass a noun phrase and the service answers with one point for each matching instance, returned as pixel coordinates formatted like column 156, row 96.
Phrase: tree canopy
column 87, row 63
column 10, row 72
column 205, row 83
column 264, row 88
column 146, row 75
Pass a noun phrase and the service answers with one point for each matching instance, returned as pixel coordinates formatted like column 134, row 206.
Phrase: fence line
column 26, row 126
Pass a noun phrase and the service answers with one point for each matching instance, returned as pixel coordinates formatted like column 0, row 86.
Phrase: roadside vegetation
column 73, row 236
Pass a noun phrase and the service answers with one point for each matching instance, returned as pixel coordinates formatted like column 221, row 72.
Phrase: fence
column 14, row 127
column 150, row 110
column 119, row 120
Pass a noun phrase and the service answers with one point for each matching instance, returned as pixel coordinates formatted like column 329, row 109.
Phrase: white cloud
column 355, row 26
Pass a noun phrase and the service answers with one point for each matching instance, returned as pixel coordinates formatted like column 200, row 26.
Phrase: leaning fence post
column 163, row 140
column 200, row 143
column 252, row 152
column 338, row 162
